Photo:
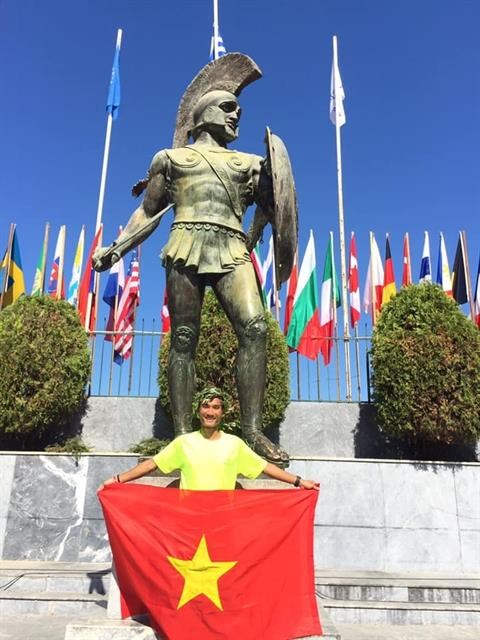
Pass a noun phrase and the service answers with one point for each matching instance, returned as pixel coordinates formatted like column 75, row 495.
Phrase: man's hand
column 108, row 481
column 310, row 484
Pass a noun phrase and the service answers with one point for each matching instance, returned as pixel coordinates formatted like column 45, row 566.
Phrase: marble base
column 372, row 515
column 133, row 630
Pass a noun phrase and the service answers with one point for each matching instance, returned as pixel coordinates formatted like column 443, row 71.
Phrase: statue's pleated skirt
column 207, row 248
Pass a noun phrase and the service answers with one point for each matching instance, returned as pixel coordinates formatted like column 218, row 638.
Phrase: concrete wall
column 325, row 429
column 328, row 429
column 372, row 515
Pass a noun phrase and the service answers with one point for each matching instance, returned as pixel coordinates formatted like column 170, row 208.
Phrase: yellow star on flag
column 201, row 575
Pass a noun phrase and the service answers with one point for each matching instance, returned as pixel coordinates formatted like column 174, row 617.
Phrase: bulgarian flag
column 330, row 302
column 215, row 564
column 304, row 334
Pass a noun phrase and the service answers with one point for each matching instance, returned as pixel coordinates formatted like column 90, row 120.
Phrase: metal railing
column 310, row 380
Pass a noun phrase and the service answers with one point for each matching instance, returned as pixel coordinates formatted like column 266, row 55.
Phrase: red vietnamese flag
column 215, row 564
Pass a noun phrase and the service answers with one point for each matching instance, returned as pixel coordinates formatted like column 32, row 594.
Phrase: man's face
column 211, row 413
column 222, row 115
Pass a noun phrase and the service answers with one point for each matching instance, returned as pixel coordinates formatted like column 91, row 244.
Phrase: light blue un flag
column 113, row 100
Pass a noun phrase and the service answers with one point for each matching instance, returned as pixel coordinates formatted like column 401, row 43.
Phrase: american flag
column 125, row 320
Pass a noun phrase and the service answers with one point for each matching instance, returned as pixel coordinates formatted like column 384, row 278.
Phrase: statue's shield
column 285, row 222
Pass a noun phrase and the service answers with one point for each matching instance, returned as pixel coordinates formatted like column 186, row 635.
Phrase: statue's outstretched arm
column 144, row 220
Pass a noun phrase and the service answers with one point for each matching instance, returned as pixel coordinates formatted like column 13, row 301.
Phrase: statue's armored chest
column 187, row 162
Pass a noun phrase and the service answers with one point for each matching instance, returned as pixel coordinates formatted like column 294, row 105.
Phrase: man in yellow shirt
column 210, row 459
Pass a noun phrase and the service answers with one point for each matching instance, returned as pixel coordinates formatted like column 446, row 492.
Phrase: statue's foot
column 266, row 448
column 181, row 431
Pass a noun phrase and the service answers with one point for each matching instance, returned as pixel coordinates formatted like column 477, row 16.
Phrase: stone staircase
column 400, row 599
column 53, row 588
column 351, row 603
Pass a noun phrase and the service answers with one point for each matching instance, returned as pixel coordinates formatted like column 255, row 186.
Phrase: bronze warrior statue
column 210, row 188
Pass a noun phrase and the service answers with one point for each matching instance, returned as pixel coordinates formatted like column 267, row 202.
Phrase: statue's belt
column 224, row 178
column 208, row 225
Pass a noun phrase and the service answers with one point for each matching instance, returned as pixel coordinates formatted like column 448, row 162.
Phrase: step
column 407, row 632
column 103, row 629
column 55, row 577
column 55, row 603
column 398, row 588
column 401, row 613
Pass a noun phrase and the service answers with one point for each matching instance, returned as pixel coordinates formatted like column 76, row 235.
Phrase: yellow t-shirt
column 206, row 464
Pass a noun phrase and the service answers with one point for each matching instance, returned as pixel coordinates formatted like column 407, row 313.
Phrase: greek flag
column 221, row 51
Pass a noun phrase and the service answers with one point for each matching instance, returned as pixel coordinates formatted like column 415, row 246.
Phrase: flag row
column 121, row 293
column 310, row 323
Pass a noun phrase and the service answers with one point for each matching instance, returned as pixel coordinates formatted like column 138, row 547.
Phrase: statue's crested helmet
column 218, row 109
column 211, row 99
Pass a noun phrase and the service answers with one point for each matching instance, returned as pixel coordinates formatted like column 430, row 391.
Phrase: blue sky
column 410, row 146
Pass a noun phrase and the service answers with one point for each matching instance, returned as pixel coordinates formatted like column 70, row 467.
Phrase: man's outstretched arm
column 284, row 476
column 140, row 470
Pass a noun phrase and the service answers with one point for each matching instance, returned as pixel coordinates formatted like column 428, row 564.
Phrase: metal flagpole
column 333, row 302
column 114, row 335
column 106, row 153
column 134, row 321
column 275, row 291
column 215, row 29
column 373, row 290
column 357, row 363
column 298, row 375
column 409, row 266
column 341, row 224
column 103, row 179
column 44, row 265
column 61, row 262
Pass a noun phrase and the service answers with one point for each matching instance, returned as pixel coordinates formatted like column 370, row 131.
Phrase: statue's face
column 218, row 112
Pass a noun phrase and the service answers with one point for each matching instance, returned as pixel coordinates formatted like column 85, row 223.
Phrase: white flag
column 337, row 96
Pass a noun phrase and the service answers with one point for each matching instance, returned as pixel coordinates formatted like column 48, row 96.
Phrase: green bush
column 149, row 447
column 73, row 446
column 426, row 369
column 44, row 366
column 215, row 365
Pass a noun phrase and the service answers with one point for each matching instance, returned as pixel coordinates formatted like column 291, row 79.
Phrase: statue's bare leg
column 238, row 294
column 185, row 295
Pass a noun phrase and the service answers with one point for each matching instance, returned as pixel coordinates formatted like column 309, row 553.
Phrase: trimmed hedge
column 426, row 368
column 44, row 366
